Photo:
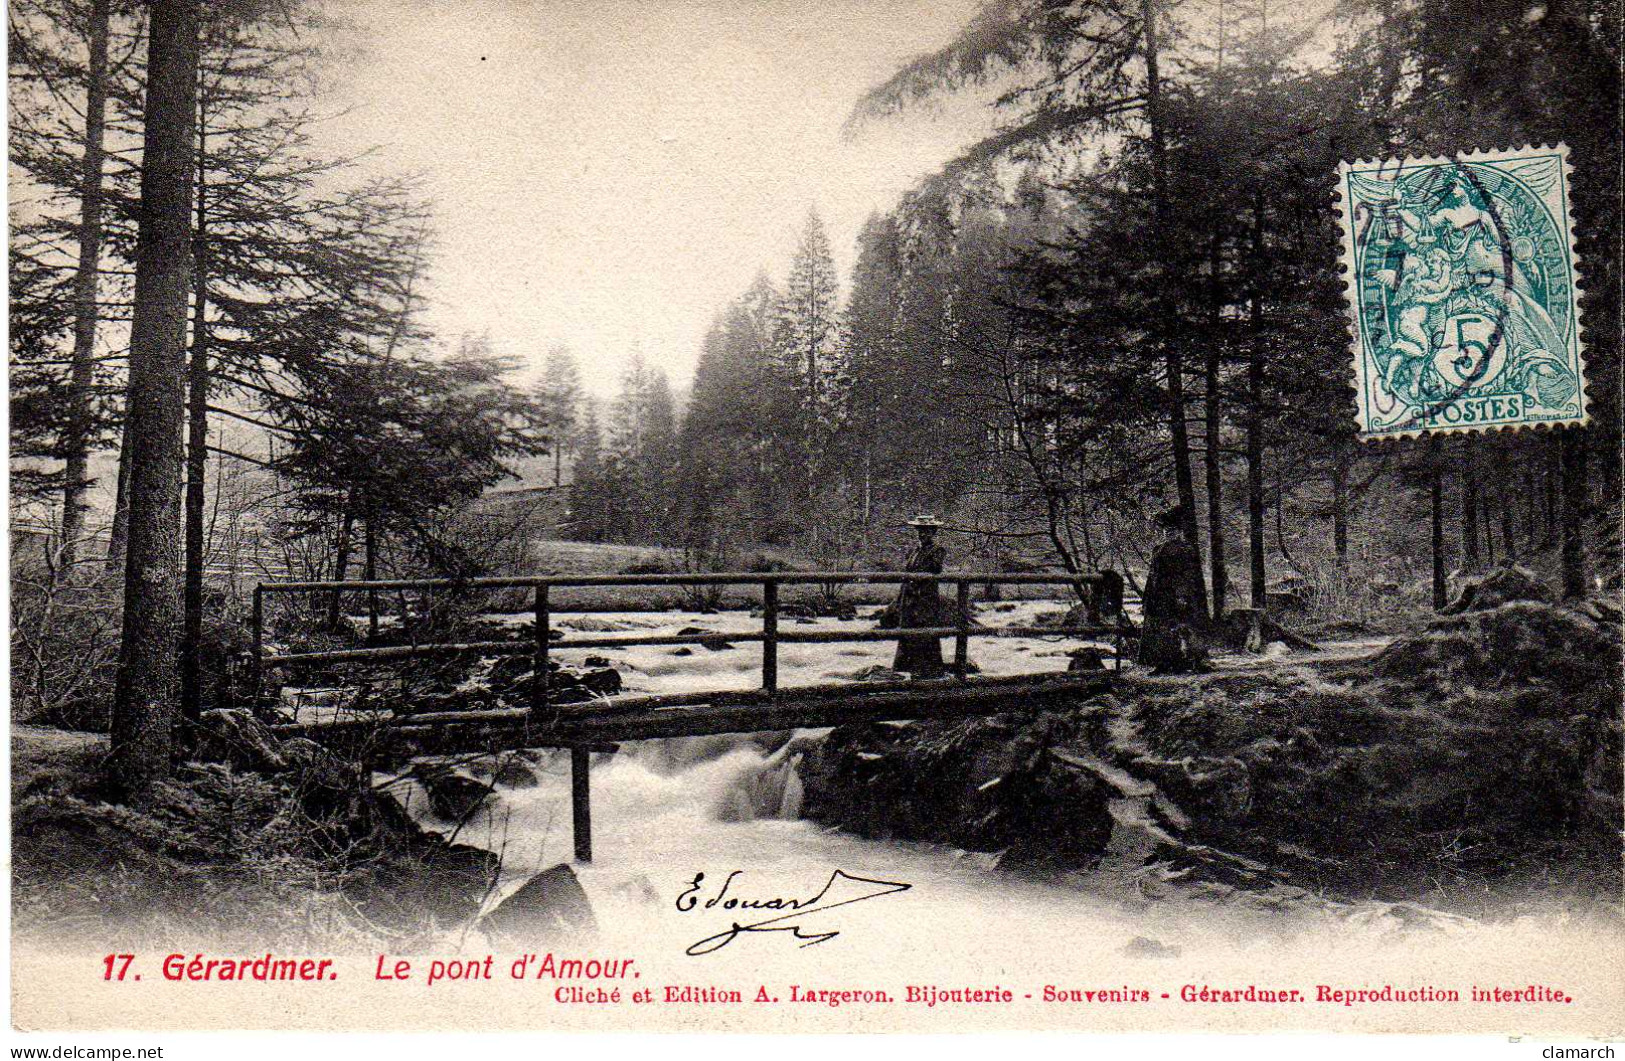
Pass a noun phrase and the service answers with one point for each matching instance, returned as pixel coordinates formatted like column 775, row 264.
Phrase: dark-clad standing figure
column 1175, row 614
column 919, row 605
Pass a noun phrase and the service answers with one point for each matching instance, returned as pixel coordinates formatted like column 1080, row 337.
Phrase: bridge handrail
column 770, row 637
column 729, row 578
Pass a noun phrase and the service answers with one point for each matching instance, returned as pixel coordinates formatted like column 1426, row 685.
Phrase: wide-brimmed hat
column 925, row 521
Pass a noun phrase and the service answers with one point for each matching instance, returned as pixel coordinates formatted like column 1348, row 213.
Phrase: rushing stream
column 665, row 811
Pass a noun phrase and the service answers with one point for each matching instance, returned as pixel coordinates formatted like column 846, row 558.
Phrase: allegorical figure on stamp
column 1464, row 292
column 919, row 604
column 1174, row 612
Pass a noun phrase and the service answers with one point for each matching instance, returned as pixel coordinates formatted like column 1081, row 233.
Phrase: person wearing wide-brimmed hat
column 919, row 604
column 1174, row 610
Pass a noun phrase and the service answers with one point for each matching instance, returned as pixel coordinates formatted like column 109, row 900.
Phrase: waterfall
column 764, row 787
column 735, row 777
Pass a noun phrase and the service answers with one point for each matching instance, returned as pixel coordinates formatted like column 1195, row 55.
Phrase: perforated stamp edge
column 1351, row 299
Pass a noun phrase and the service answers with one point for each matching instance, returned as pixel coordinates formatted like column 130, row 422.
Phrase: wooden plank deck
column 656, row 717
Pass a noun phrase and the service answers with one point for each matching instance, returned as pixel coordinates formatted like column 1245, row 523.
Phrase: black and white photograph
column 816, row 516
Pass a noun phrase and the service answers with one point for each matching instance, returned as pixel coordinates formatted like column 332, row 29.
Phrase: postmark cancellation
column 1462, row 283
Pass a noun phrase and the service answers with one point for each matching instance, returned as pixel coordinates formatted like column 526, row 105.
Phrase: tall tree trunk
column 197, row 449
column 145, row 691
column 370, row 573
column 1173, row 353
column 1436, row 518
column 1215, row 487
column 813, row 420
column 1531, row 514
column 1509, row 536
column 1213, row 407
column 1553, row 476
column 868, row 489
column 1340, row 507
column 1574, row 513
column 1255, row 412
column 118, row 537
column 86, row 287
column 1469, row 505
column 341, row 563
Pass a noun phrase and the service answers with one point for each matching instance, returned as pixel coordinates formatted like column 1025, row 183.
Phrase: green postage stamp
column 1461, row 281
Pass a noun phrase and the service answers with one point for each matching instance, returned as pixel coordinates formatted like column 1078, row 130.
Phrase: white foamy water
column 664, row 811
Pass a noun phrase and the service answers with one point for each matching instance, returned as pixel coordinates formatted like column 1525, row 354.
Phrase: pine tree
column 626, row 416
column 560, row 394
column 589, row 517
column 145, row 697
column 402, row 441
column 58, row 52
column 806, row 336
column 40, row 402
column 657, row 463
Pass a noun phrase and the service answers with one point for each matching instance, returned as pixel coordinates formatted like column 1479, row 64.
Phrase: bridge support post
column 581, row 802
column 770, row 635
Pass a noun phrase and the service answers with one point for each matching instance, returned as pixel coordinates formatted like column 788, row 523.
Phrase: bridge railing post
column 581, row 802
column 962, row 639
column 770, row 635
column 541, row 676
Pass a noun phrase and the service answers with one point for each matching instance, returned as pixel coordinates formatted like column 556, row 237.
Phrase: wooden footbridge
column 600, row 725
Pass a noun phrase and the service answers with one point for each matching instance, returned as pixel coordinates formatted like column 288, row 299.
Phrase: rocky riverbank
column 1482, row 750
column 278, row 843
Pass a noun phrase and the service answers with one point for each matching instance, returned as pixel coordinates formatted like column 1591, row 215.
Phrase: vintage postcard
column 806, row 517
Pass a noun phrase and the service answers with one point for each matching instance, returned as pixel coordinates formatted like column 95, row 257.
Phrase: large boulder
column 1253, row 630
column 566, row 686
column 453, row 796
column 405, row 873
column 551, row 906
column 515, row 773
column 511, row 676
column 986, row 784
column 1503, row 585
column 604, row 681
column 1087, row 658
column 508, row 769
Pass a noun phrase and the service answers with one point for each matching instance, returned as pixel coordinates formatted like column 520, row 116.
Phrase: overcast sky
column 610, row 173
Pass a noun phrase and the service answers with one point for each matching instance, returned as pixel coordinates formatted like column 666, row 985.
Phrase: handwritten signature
column 835, row 892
